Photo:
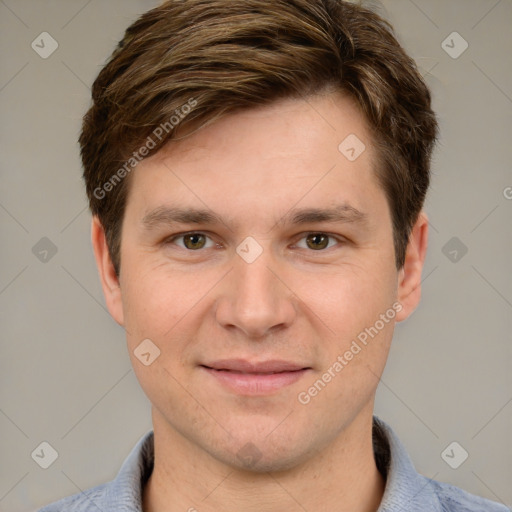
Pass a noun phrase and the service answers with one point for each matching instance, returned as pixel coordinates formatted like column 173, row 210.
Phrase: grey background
column 65, row 374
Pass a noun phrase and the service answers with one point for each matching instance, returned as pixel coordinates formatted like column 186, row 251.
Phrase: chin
column 253, row 460
column 270, row 465
column 263, row 454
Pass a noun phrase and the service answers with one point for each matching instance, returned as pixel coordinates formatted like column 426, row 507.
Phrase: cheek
column 355, row 297
column 168, row 306
column 156, row 309
column 356, row 349
column 153, row 294
column 153, row 303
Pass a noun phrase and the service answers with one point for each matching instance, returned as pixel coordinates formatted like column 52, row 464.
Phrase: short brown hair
column 219, row 56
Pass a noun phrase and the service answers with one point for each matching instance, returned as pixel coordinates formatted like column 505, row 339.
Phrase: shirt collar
column 405, row 490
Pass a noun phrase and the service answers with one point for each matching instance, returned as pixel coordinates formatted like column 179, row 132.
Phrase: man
column 256, row 172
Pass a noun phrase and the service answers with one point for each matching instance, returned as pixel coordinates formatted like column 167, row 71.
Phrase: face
column 259, row 260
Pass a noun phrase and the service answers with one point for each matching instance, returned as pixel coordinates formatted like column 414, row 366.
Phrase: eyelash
column 172, row 239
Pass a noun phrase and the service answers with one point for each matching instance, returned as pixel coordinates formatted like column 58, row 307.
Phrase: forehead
column 295, row 152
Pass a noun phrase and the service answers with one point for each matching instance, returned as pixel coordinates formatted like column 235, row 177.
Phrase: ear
column 108, row 277
column 409, row 280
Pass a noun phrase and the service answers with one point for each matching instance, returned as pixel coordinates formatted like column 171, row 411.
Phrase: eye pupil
column 319, row 241
column 196, row 241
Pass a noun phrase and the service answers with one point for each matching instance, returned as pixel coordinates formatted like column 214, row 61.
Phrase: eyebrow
column 340, row 213
column 165, row 215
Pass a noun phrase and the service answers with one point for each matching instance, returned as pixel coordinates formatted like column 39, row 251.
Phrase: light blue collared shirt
column 406, row 490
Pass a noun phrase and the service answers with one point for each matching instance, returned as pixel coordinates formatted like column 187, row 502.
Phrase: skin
column 295, row 302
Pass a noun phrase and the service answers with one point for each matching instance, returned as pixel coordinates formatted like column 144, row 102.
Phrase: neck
column 342, row 477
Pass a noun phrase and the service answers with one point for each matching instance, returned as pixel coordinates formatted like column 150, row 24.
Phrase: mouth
column 246, row 378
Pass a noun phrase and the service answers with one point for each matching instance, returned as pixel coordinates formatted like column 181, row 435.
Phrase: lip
column 255, row 378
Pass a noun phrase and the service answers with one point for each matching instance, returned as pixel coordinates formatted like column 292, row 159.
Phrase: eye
column 195, row 241
column 192, row 241
column 318, row 241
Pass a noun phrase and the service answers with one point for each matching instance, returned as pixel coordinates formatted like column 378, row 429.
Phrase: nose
column 255, row 298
